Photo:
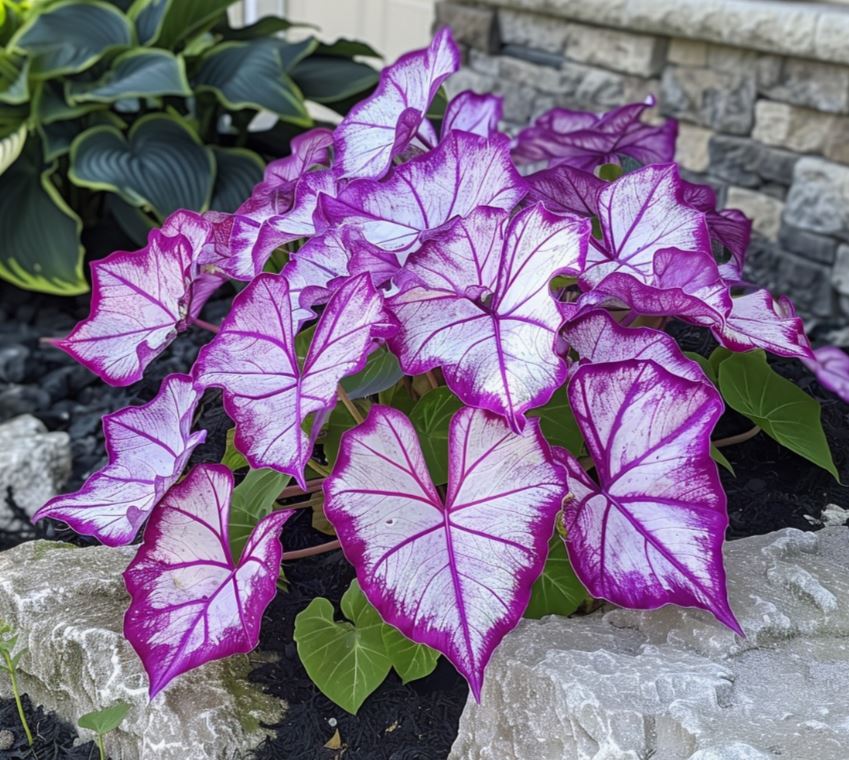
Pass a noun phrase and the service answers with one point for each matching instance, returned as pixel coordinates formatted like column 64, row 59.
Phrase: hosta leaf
column 398, row 213
column 167, row 22
column 411, row 661
column 134, row 74
column 380, row 127
column 268, row 393
column 479, row 305
column 50, row 106
column 469, row 112
column 254, row 498
column 831, row 367
column 382, row 371
column 191, row 601
column 238, row 170
column 453, row 574
column 650, row 532
column 346, row 660
column 148, row 447
column 557, row 591
column 11, row 147
column 558, row 424
column 160, row 164
column 71, row 36
column 586, row 140
column 431, row 417
column 41, row 249
column 252, row 75
column 780, row 408
column 14, row 78
column 329, row 79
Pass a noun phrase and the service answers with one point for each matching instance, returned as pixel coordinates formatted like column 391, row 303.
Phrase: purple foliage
column 508, row 289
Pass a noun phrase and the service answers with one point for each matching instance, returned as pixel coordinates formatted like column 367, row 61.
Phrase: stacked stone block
column 764, row 117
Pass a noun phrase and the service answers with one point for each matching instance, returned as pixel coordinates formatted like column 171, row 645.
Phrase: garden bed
column 775, row 489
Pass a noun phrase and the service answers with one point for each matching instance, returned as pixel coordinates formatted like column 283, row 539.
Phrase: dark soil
column 53, row 739
column 773, row 489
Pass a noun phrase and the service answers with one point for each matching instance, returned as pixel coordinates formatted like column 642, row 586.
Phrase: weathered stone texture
column 673, row 683
column 764, row 210
column 471, row 25
column 802, row 130
column 68, row 605
column 692, row 148
column 822, row 86
column 639, row 54
column 721, row 100
column 534, row 31
column 819, row 197
column 808, row 245
column 688, row 52
column 840, row 275
column 736, row 160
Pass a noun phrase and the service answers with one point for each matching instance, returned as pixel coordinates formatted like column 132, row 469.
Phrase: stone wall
column 760, row 88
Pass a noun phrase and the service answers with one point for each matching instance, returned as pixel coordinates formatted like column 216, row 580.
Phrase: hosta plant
column 449, row 345
column 118, row 113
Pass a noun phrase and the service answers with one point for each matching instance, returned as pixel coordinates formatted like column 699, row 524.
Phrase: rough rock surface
column 68, row 605
column 34, row 463
column 673, row 683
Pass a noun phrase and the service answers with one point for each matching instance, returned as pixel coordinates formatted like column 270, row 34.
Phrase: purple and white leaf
column 650, row 532
column 469, row 112
column 420, row 197
column 192, row 601
column 379, row 128
column 148, row 447
column 267, row 393
column 454, row 574
column 477, row 303
column 831, row 367
column 566, row 190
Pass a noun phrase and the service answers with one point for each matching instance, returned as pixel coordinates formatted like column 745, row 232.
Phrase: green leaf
column 71, row 36
column 133, row 221
column 431, row 416
column 382, row 371
column 717, row 356
column 339, row 421
column 239, row 169
column 41, row 246
column 14, row 78
column 50, row 106
column 134, row 74
column 411, row 661
column 557, row 591
column 11, row 147
column 720, row 459
column 233, row 458
column 254, row 498
column 704, row 363
column 780, row 408
column 399, row 397
column 330, row 79
column 558, row 423
column 346, row 48
column 347, row 661
column 160, row 164
column 105, row 720
column 168, row 22
column 252, row 75
column 265, row 27
column 610, row 172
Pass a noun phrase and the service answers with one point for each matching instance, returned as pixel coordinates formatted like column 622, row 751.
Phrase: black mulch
column 773, row 489
column 53, row 739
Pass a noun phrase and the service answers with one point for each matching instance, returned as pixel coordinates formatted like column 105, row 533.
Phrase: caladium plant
column 539, row 437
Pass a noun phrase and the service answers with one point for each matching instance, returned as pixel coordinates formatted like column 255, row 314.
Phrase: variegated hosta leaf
column 465, row 171
column 469, row 112
column 267, row 393
column 140, row 302
column 148, row 447
column 650, row 532
column 587, row 140
column 454, row 574
column 831, row 366
column 599, row 339
column 191, row 601
column 383, row 125
column 757, row 320
column 478, row 303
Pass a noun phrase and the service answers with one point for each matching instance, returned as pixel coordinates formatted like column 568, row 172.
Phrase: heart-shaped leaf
column 469, row 112
column 455, row 575
column 831, row 366
column 431, row 417
column 477, row 302
column 252, row 75
column 651, row 532
column 331, row 79
column 14, row 78
column 238, row 170
column 566, row 190
column 268, row 393
column 148, row 447
column 557, row 591
column 381, row 126
column 382, row 371
column 780, row 408
column 41, row 246
column 106, row 720
column 398, row 213
column 71, row 36
column 134, row 74
column 161, row 164
column 410, row 661
column 346, row 660
column 191, row 601
column 167, row 22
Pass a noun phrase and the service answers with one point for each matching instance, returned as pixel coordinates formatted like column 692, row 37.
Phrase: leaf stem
column 205, row 325
column 319, row 468
column 14, row 679
column 431, row 378
column 101, row 747
column 312, row 487
column 329, row 546
column 349, row 405
column 739, row 438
